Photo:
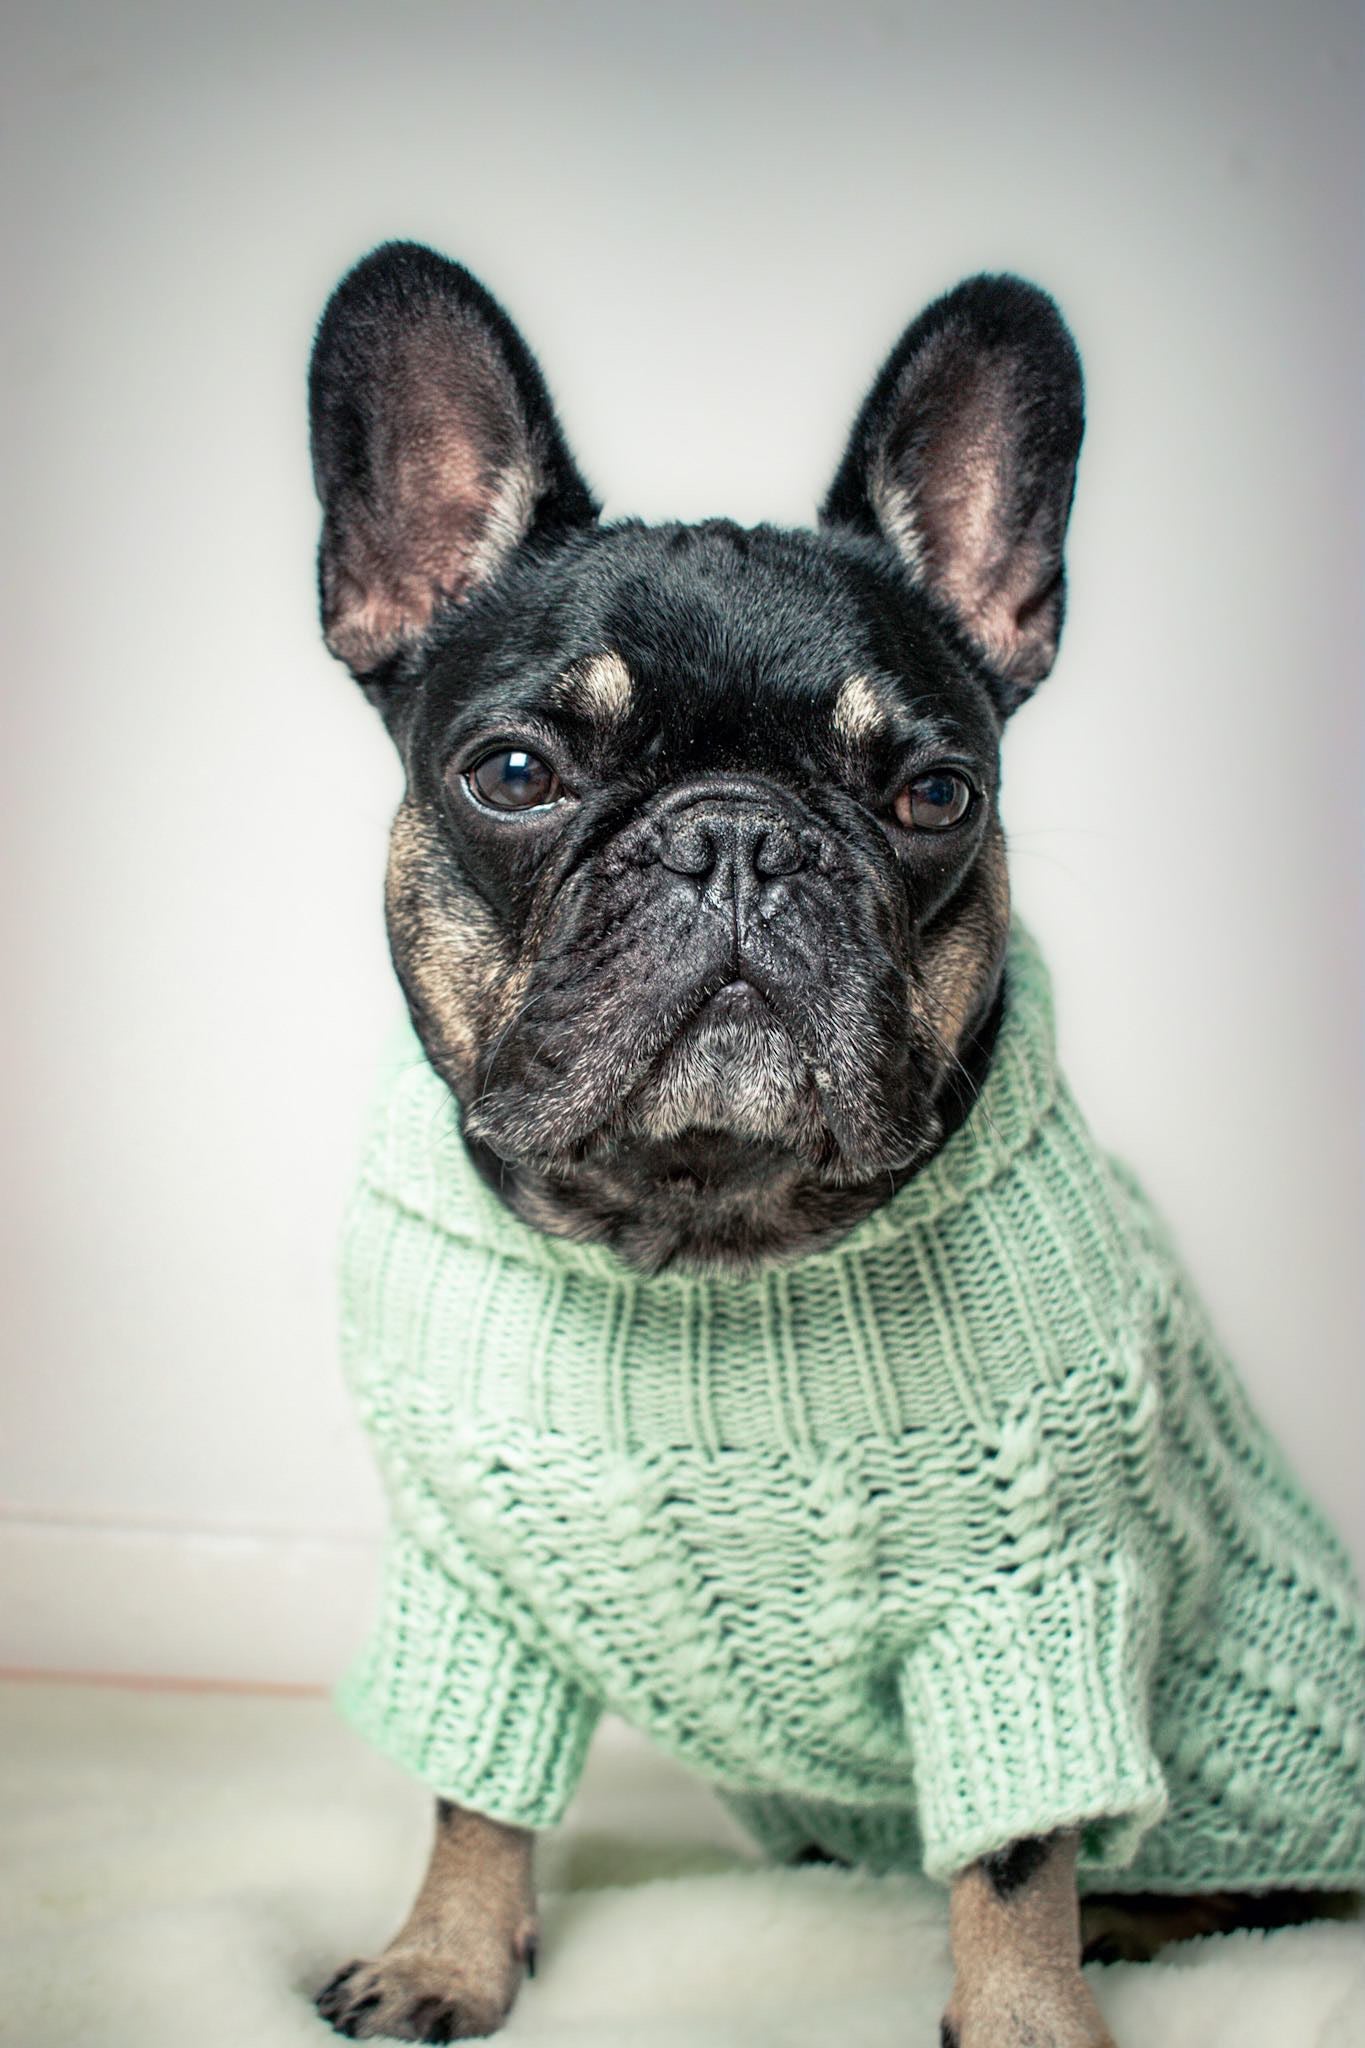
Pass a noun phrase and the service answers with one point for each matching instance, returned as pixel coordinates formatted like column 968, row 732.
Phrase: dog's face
column 697, row 892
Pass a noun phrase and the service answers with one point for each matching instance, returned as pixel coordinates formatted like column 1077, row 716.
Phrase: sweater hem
column 1027, row 1710
column 445, row 1778
column 486, row 1722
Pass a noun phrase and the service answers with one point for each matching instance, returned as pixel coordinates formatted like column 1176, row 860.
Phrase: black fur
column 720, row 827
column 1010, row 1869
column 431, row 2019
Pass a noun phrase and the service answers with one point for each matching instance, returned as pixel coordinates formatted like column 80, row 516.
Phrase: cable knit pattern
column 957, row 1531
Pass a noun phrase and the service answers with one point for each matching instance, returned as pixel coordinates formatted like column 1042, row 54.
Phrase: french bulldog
column 698, row 891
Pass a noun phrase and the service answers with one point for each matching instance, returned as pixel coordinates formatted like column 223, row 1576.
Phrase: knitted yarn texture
column 956, row 1531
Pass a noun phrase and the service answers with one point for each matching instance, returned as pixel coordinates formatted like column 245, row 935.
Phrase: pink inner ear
column 957, row 516
column 1019, row 619
column 964, row 493
column 455, row 488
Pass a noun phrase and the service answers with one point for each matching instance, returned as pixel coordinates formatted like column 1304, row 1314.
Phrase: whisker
column 978, row 1106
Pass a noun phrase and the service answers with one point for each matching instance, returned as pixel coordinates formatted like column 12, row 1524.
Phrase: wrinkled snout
column 731, row 846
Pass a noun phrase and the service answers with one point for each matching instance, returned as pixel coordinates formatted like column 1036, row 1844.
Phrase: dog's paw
column 1060, row 2013
column 416, row 1995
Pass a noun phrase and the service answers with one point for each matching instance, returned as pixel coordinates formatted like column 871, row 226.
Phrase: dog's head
column 697, row 891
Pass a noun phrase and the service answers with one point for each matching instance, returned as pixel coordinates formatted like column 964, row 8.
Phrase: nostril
column 688, row 848
column 778, row 852
column 746, row 841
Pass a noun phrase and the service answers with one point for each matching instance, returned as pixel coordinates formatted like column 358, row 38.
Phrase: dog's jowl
column 755, row 1341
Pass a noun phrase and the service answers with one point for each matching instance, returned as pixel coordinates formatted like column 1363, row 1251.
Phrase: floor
column 186, row 1867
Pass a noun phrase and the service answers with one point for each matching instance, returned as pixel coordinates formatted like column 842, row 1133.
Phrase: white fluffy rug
column 186, row 1868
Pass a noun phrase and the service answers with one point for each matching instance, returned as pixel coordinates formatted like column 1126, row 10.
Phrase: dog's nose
column 743, row 841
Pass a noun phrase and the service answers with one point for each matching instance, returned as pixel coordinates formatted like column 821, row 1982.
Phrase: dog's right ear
column 436, row 451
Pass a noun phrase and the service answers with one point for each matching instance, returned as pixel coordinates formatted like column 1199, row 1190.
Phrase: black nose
column 741, row 841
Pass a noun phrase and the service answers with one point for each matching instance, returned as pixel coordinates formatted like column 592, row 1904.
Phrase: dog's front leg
column 455, row 1966
column 1015, row 1922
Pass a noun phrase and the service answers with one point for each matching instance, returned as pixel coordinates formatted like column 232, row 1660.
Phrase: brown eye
column 515, row 781
column 931, row 803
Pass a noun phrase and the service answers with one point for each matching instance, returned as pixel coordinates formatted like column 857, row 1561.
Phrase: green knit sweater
column 958, row 1531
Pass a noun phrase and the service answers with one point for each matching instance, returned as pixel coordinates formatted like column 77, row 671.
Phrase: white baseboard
column 182, row 1603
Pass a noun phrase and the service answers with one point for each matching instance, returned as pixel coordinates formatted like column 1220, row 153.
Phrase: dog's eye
column 514, row 781
column 931, row 803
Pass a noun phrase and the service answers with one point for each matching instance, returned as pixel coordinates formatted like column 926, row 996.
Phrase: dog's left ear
column 964, row 459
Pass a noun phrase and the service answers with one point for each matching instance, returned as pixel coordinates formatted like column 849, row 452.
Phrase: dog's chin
column 724, row 1151
column 703, row 1195
column 736, row 1071
column 730, row 1072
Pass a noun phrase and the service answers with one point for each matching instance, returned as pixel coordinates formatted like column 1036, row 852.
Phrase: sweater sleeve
column 457, row 1698
column 1027, row 1710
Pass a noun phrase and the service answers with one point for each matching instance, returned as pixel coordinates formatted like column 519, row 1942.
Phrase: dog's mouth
column 737, row 998
column 733, row 1067
column 730, row 1144
column 730, row 1066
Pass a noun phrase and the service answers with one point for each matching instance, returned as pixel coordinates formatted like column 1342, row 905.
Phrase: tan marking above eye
column 859, row 713
column 599, row 688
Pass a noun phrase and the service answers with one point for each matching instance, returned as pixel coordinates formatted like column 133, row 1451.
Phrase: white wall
column 712, row 221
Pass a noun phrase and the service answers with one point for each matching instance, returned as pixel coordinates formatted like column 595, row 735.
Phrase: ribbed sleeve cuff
column 1027, row 1711
column 456, row 1698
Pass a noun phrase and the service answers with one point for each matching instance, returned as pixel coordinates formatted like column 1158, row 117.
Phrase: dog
column 728, row 1051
